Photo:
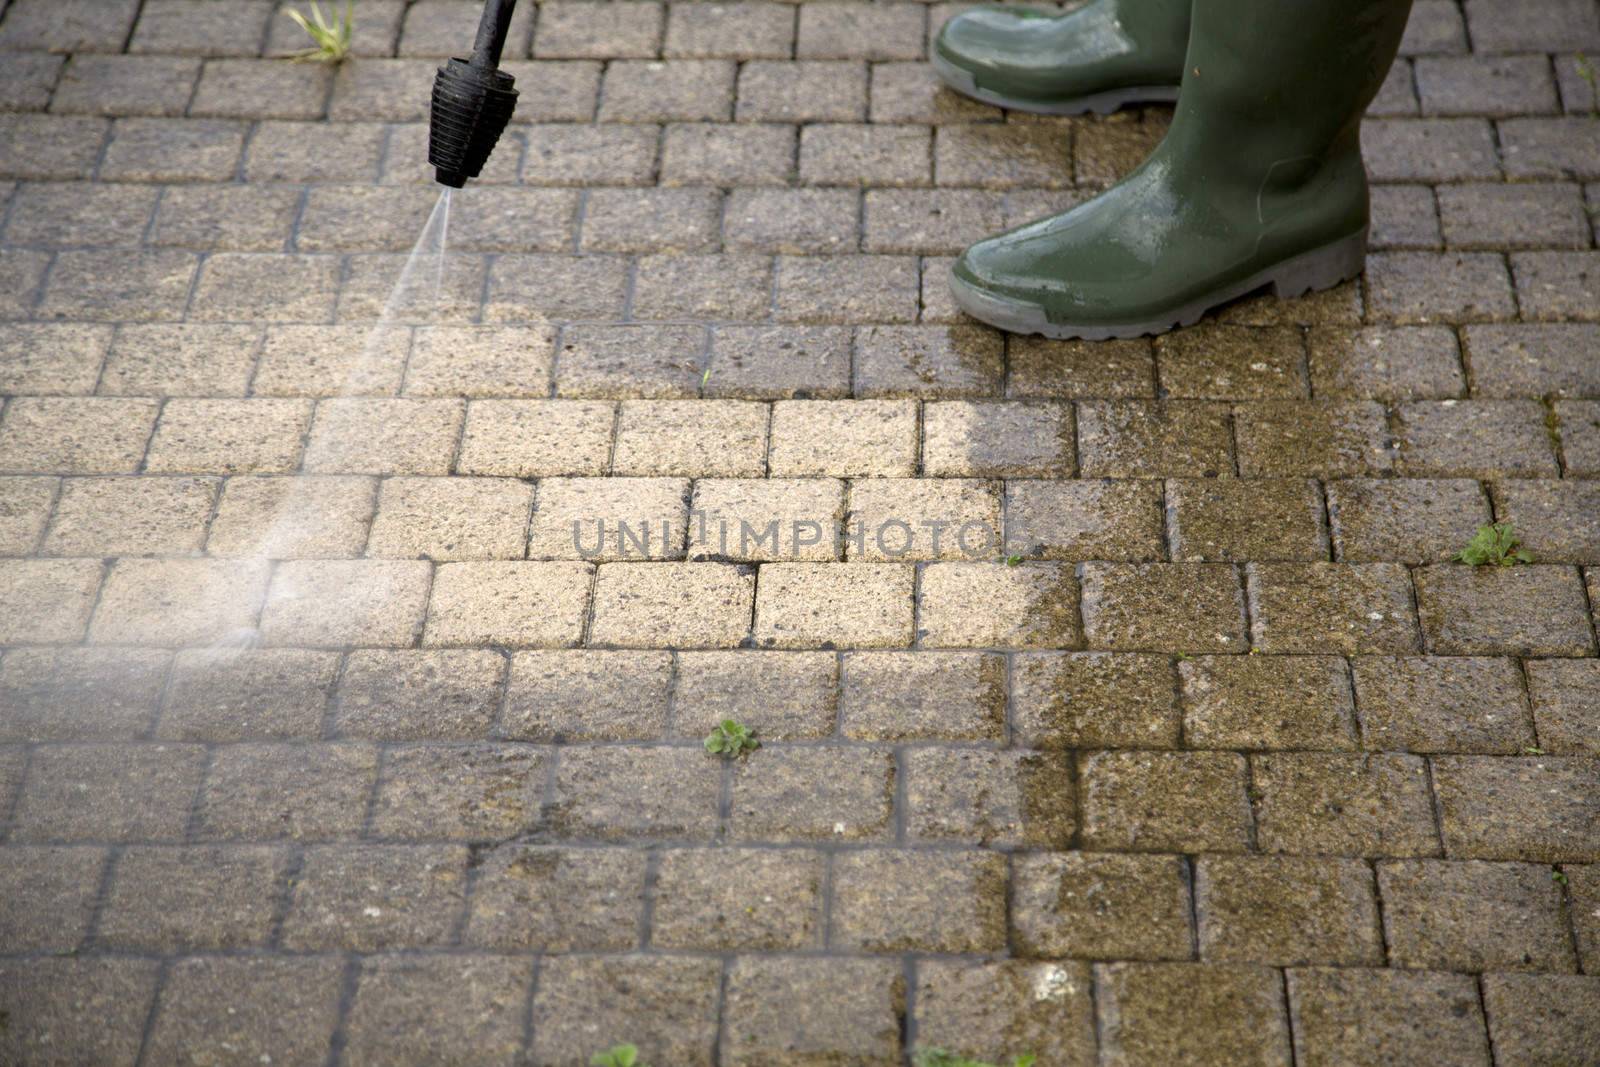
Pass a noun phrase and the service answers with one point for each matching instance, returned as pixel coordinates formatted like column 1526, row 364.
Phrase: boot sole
column 1320, row 268
column 1098, row 103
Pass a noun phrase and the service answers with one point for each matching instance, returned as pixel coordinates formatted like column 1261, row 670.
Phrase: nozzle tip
column 453, row 178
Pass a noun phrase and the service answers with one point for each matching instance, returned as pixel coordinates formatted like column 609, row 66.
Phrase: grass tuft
column 332, row 39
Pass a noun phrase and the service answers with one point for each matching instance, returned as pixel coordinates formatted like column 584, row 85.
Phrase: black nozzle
column 472, row 102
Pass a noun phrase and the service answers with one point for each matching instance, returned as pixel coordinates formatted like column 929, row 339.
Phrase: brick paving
column 1144, row 722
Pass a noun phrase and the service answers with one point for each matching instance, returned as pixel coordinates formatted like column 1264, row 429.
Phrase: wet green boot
column 1258, row 184
column 1097, row 58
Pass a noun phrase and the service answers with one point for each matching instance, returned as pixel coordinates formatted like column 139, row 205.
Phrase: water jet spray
column 472, row 102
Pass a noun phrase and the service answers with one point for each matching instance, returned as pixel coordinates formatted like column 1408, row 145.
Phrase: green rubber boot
column 1258, row 184
column 1097, row 58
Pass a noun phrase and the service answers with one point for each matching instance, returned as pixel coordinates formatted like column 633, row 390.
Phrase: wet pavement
column 1119, row 703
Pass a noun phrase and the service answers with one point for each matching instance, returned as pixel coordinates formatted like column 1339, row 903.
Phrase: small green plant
column 938, row 1057
column 731, row 739
column 1494, row 545
column 617, row 1056
column 1558, row 876
column 1532, row 750
column 1012, row 561
column 332, row 39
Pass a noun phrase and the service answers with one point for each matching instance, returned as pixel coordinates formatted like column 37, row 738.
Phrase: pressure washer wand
column 472, row 102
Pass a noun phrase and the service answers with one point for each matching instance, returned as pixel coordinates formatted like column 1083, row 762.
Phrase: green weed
column 1012, row 561
column 731, row 739
column 938, row 1057
column 1558, row 876
column 1494, row 546
column 617, row 1056
column 332, row 39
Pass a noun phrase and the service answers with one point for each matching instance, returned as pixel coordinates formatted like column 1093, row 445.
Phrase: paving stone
column 929, row 220
column 50, row 148
column 1530, row 611
column 657, row 604
column 76, row 1010
column 1429, row 150
column 253, row 695
column 1513, row 360
column 779, row 695
column 634, row 361
column 305, row 518
column 1101, row 906
column 193, row 27
column 1474, row 439
column 652, row 220
column 373, row 897
column 849, row 30
column 248, row 1007
column 851, row 154
column 1105, row 151
column 239, row 285
column 1354, row 1015
column 556, row 899
column 1548, row 148
column 587, row 695
column 761, row 519
column 287, row 151
column 808, row 793
column 261, row 88
column 1546, row 216
column 1199, row 1013
column 440, row 28
column 1578, row 423
column 228, row 436
column 1003, row 156
column 504, row 602
column 976, row 797
column 735, row 288
column 1132, row 607
column 1542, row 1018
column 791, row 1011
column 536, row 438
column 128, row 286
column 450, row 518
column 1173, row 801
column 337, row 362
column 336, row 603
column 80, row 694
column 924, row 518
column 1554, row 520
column 933, row 362
column 989, row 1008
column 1109, row 369
column 828, row 605
column 179, row 602
column 631, row 792
column 1324, row 803
column 1404, row 216
column 107, row 792
column 68, row 25
column 130, row 516
column 590, row 155
column 510, row 361
column 679, row 90
column 1331, row 607
column 738, row 899
column 1500, row 26
column 729, row 155
column 1094, row 700
column 1267, row 702
column 1228, row 519
column 845, row 289
column 1441, row 704
column 419, row 1009
column 1415, row 520
column 806, row 91
column 23, row 273
column 68, row 213
column 919, row 900
column 382, row 90
column 360, row 436
column 1537, row 808
column 1584, row 907
column 51, row 359
column 1153, row 439
column 997, row 439
column 444, row 694
column 180, row 360
column 1484, row 85
column 1326, row 438
column 1286, row 910
column 458, row 792
column 363, row 218
column 599, row 31
column 262, row 792
column 171, row 150
column 1473, row 916
column 843, row 438
column 25, row 504
column 1232, row 363
column 605, row 519
column 1556, row 285
column 1411, row 287
column 47, row 601
column 749, row 29
column 51, row 894
column 369, row 292
column 914, row 92
column 167, row 899
column 667, row 1005
column 1564, row 695
column 1030, row 605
